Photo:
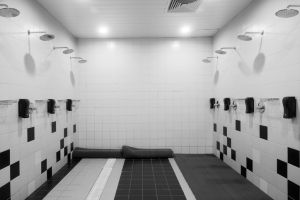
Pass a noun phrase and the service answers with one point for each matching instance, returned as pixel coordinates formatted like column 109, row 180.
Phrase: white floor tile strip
column 96, row 191
column 184, row 185
column 112, row 183
column 78, row 183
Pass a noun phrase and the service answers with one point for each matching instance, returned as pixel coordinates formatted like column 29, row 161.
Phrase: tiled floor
column 42, row 191
column 79, row 182
column 151, row 179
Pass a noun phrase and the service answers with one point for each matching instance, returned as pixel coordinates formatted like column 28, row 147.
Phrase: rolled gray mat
column 134, row 153
column 97, row 153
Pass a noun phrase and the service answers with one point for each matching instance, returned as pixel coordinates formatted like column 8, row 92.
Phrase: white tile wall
column 149, row 93
column 46, row 75
column 264, row 67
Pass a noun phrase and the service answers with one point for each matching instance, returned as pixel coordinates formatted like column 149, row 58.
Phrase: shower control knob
column 261, row 107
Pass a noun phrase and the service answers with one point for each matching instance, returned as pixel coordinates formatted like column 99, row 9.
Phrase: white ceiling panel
column 141, row 18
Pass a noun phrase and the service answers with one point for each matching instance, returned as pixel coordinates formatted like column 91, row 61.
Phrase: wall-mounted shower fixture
column 44, row 35
column 81, row 60
column 8, row 12
column 233, row 105
column 222, row 52
column 261, row 107
column 208, row 59
column 66, row 51
column 288, row 12
column 247, row 35
column 217, row 104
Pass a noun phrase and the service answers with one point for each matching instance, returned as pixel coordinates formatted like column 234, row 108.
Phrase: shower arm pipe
column 254, row 32
column 54, row 48
column 3, row 5
column 233, row 48
column 35, row 32
column 293, row 6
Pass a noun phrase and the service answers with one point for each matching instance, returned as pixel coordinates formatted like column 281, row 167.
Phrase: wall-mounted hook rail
column 8, row 102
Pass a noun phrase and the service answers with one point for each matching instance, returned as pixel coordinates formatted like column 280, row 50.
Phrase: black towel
column 226, row 103
column 51, row 106
column 69, row 104
column 249, row 105
column 23, row 105
column 289, row 106
column 212, row 103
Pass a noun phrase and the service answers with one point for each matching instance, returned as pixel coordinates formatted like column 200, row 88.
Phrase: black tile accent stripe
column 74, row 128
column 49, row 173
column 244, row 171
column 4, row 159
column 225, row 149
column 282, row 168
column 221, row 156
column 263, row 132
column 65, row 151
column 30, row 134
column 229, row 142
column 238, row 125
column 72, row 146
column 293, row 191
column 58, row 156
column 44, row 166
column 233, row 154
column 5, row 192
column 53, row 127
column 215, row 127
column 218, row 145
column 148, row 179
column 62, row 143
column 249, row 164
column 14, row 170
column 294, row 157
column 65, row 132
column 224, row 130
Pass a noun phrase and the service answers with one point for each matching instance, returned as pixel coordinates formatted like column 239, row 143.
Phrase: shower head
column 222, row 52
column 81, row 60
column 208, row 59
column 246, row 36
column 66, row 51
column 8, row 12
column 288, row 12
column 44, row 37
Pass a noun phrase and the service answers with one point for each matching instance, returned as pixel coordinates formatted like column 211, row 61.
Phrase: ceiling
column 141, row 18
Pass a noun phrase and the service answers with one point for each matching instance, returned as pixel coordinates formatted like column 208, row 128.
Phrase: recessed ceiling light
column 185, row 30
column 103, row 30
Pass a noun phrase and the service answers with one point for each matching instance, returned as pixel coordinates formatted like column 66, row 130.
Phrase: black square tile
column 249, row 164
column 224, row 130
column 218, row 145
column 69, row 158
column 233, row 154
column 229, row 142
column 282, row 168
column 238, row 125
column 293, row 191
column 5, row 192
column 72, row 146
column 243, row 171
column 65, row 132
column 44, row 166
column 14, row 170
column 294, row 157
column 65, row 151
column 221, row 156
column 215, row 127
column 263, row 132
column 30, row 134
column 225, row 149
column 74, row 128
column 58, row 156
column 49, row 173
column 62, row 143
column 53, row 127
column 4, row 159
